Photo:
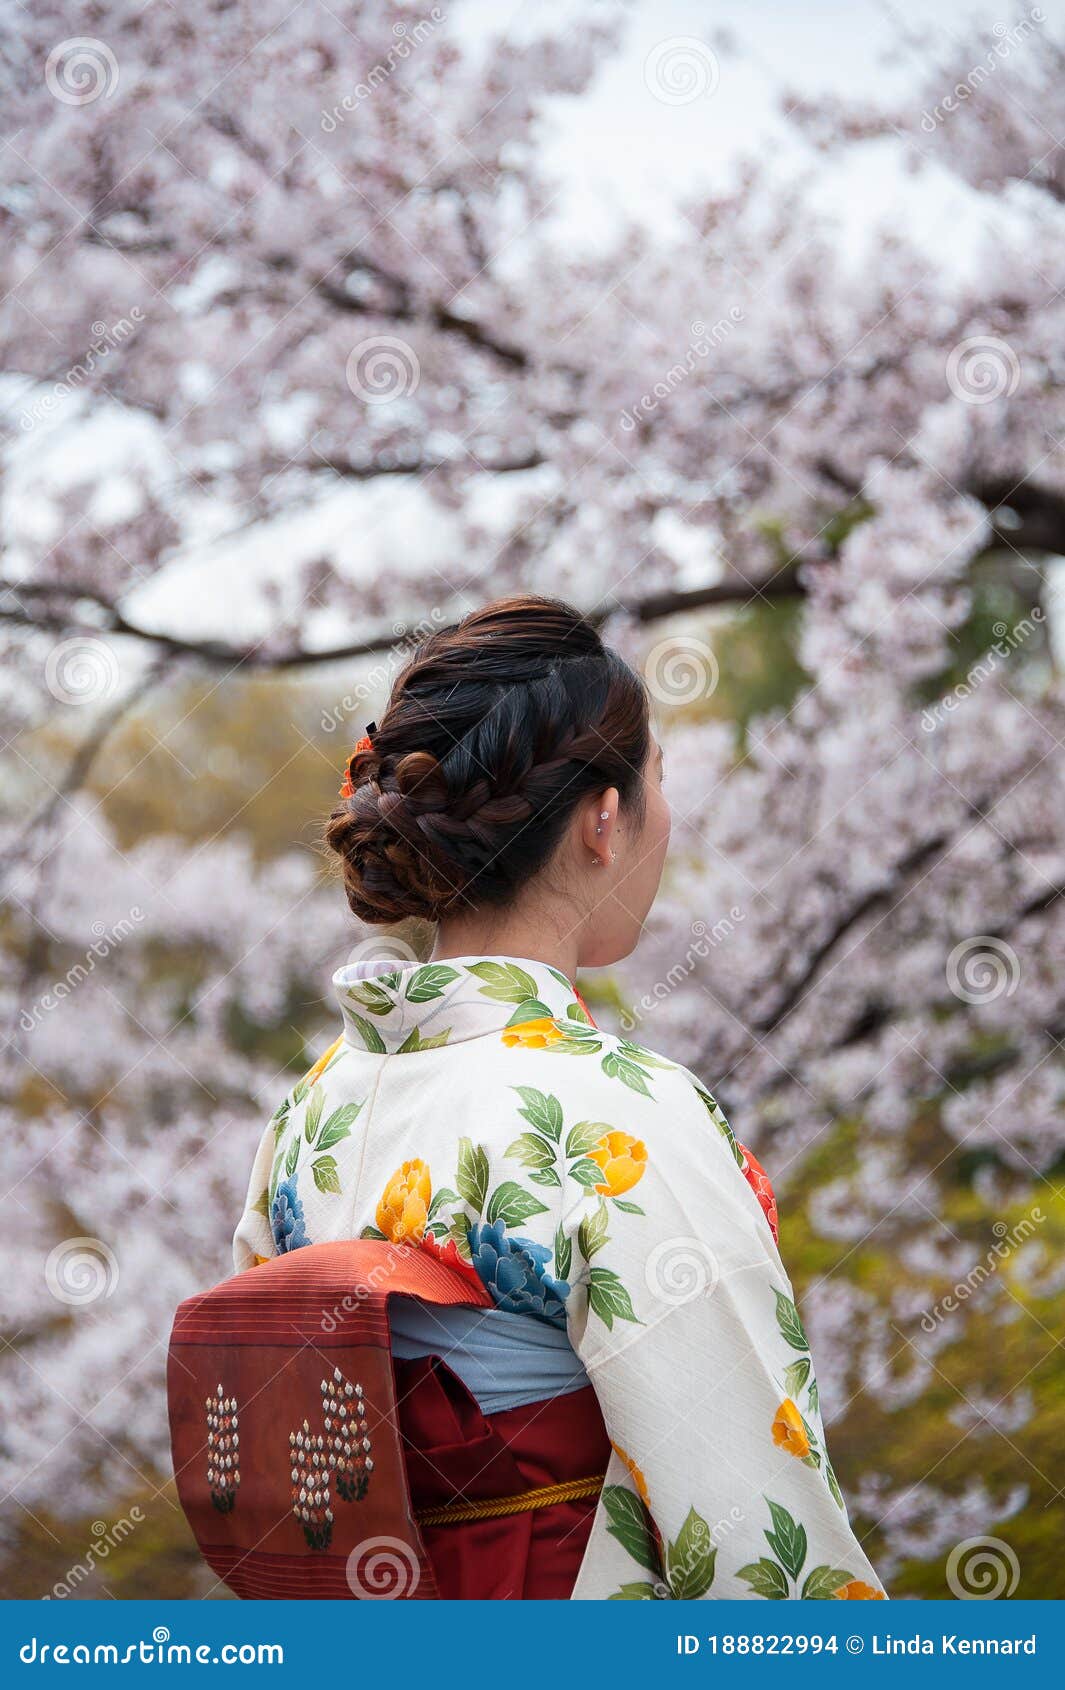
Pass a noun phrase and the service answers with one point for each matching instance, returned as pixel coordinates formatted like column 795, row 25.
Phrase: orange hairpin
column 346, row 788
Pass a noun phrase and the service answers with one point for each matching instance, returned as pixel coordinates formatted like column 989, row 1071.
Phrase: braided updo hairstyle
column 496, row 730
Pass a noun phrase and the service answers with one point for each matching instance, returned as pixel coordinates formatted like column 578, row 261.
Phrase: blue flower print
column 513, row 1270
column 286, row 1218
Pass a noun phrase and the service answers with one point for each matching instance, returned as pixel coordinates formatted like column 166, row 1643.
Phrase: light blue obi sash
column 505, row 1360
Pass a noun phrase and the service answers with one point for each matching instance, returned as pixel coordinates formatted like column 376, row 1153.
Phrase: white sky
column 619, row 151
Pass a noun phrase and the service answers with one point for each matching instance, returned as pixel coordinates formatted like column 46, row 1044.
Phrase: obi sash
column 311, row 1465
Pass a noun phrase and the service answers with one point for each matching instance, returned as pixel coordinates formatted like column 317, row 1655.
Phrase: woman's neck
column 504, row 933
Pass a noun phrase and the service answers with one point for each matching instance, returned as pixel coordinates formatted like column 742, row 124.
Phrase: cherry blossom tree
column 312, row 250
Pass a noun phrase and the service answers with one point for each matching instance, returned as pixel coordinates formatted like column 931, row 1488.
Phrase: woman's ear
column 599, row 816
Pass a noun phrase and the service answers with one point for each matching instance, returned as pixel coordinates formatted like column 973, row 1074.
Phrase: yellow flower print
column 534, row 1035
column 622, row 1159
column 323, row 1062
column 404, row 1206
column 634, row 1473
column 788, row 1430
column 858, row 1591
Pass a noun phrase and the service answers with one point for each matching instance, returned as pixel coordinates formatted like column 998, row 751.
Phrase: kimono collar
column 422, row 1006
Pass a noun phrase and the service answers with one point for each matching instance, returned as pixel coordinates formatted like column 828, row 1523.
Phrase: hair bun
column 493, row 733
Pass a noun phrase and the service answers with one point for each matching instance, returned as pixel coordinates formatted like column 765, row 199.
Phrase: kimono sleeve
column 720, row 1485
column 253, row 1240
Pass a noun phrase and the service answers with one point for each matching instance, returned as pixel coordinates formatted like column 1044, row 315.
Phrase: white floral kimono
column 598, row 1186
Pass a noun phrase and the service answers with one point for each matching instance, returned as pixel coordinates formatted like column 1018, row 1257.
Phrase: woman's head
column 512, row 770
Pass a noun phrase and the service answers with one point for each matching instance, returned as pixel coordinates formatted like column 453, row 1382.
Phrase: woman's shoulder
column 608, row 1076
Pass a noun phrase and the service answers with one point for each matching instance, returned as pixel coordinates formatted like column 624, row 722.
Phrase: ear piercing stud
column 604, row 816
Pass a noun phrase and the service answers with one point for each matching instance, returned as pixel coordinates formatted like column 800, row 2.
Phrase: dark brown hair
column 494, row 732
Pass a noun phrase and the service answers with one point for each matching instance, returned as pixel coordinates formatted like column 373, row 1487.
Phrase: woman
column 512, row 794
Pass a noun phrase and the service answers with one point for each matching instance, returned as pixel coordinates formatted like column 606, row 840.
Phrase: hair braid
column 494, row 732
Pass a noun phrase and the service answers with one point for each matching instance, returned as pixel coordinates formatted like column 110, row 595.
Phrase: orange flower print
column 788, row 1430
column 323, row 1062
column 858, row 1591
column 404, row 1206
column 622, row 1159
column 634, row 1473
column 534, row 1035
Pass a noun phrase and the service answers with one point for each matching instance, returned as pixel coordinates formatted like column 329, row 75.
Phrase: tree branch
column 56, row 617
column 883, row 899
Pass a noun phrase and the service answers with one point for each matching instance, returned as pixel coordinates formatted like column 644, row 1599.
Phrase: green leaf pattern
column 785, row 1575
